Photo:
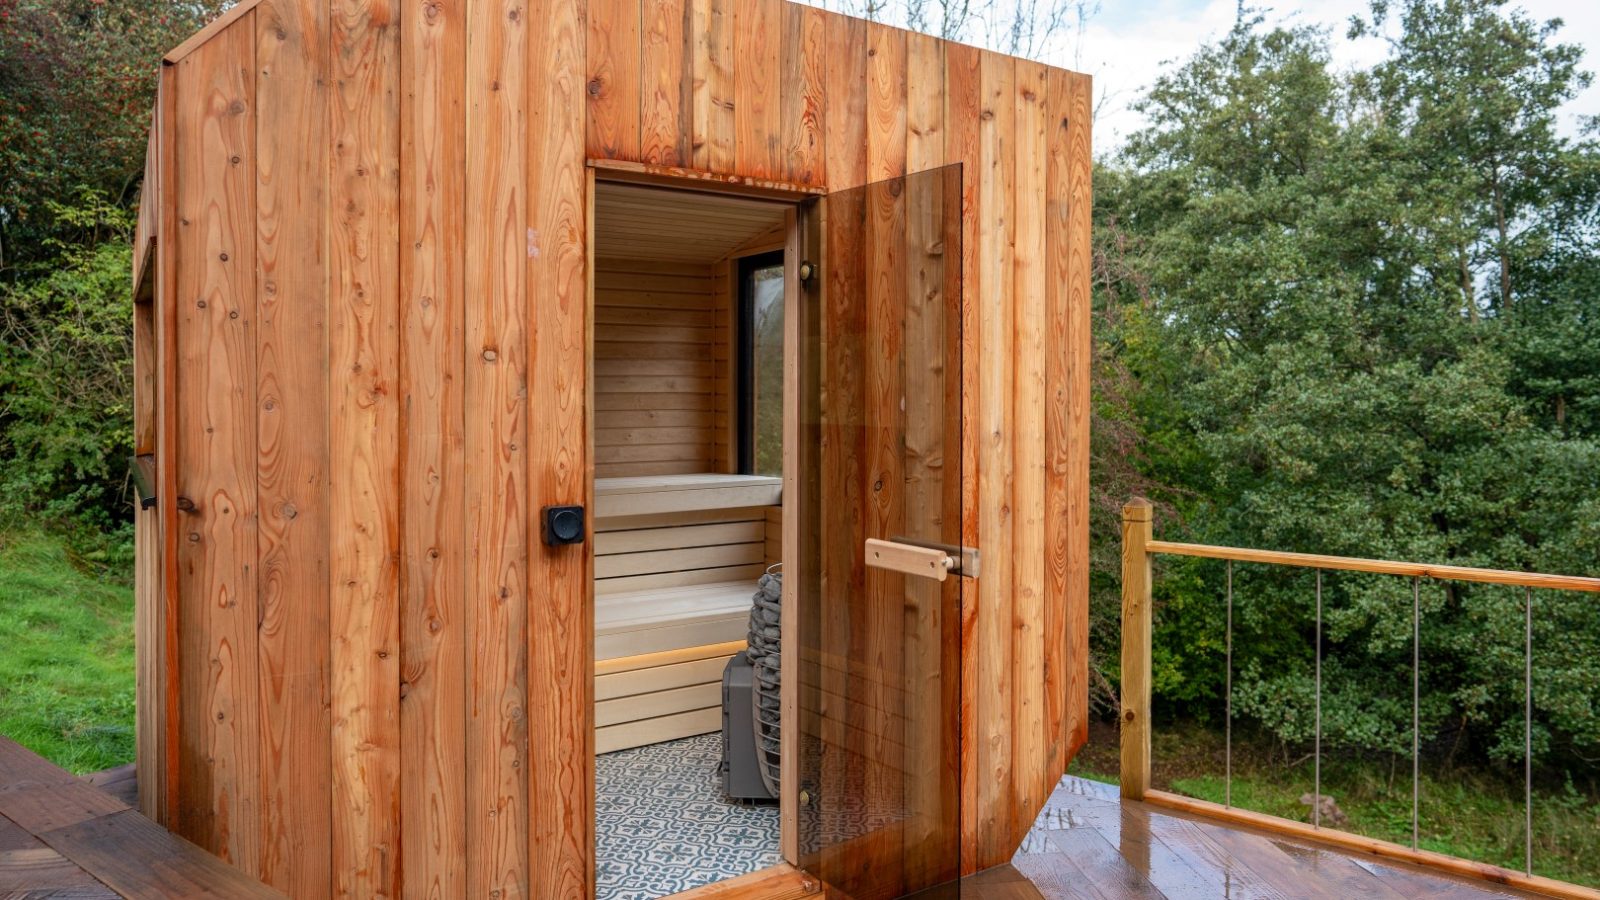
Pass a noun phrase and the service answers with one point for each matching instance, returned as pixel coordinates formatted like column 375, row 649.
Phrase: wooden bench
column 677, row 558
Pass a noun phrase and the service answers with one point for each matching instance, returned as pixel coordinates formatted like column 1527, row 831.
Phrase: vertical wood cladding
column 373, row 328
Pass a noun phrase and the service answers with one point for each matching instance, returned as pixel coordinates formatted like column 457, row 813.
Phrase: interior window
column 761, row 364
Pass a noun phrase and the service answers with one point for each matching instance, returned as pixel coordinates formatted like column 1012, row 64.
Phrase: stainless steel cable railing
column 1139, row 549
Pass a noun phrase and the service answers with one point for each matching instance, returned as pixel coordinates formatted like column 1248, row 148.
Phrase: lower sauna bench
column 677, row 558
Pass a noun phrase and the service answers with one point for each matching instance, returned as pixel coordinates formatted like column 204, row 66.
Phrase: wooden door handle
column 923, row 562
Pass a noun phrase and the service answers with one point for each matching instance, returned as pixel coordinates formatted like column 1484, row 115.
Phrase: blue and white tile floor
column 663, row 826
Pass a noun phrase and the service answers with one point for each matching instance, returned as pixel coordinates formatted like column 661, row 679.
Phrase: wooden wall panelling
column 805, row 61
column 841, row 516
column 712, row 64
column 850, row 106
column 886, row 102
column 433, row 594
column 166, row 804
column 772, row 534
column 499, row 516
column 292, row 441
column 1030, row 622
column 666, row 402
column 724, row 408
column 363, row 466
column 560, row 836
column 798, row 541
column 613, row 54
column 950, row 622
column 927, row 441
column 219, row 779
column 757, row 88
column 995, row 174
column 963, row 109
column 880, row 666
column 1072, row 245
column 149, row 671
column 666, row 89
column 156, row 674
column 1059, row 665
column 151, row 675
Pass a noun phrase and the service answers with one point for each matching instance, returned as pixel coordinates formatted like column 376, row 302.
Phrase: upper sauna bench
column 677, row 558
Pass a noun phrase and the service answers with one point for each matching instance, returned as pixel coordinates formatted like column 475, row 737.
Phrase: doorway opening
column 689, row 294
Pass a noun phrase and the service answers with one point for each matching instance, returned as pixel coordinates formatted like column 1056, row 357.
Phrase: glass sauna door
column 877, row 571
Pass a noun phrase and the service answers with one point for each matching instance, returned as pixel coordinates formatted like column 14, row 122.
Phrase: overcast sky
column 1126, row 45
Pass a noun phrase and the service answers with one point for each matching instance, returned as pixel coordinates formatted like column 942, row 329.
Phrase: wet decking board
column 64, row 838
column 1089, row 844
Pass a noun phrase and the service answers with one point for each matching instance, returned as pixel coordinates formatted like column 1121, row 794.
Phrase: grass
column 66, row 656
column 1472, row 814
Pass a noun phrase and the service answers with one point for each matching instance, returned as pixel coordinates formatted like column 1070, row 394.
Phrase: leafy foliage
column 77, row 83
column 1363, row 323
column 66, row 381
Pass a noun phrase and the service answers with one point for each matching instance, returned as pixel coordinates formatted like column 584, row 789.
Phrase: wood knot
column 1128, row 715
column 594, row 87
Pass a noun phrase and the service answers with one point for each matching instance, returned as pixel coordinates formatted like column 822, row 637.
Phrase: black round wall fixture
column 563, row 525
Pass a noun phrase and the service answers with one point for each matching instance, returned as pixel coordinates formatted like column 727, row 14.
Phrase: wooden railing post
column 1136, row 537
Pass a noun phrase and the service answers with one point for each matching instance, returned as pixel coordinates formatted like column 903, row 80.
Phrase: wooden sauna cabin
column 462, row 444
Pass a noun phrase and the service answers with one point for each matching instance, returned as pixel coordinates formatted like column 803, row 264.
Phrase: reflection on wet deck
column 1089, row 843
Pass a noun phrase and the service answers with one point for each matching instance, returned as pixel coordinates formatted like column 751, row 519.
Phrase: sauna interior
column 688, row 296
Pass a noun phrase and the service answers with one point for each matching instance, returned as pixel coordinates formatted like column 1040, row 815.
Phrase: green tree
column 77, row 84
column 1360, row 329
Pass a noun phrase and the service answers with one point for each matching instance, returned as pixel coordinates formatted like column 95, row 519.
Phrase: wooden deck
column 1088, row 843
column 67, row 838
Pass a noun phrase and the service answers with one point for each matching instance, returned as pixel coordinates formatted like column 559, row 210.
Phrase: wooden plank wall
column 373, row 282
column 151, row 317
column 655, row 343
column 355, row 480
column 796, row 93
column 724, row 439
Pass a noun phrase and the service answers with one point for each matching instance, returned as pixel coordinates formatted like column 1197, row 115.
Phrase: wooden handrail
column 1138, row 550
column 1379, row 566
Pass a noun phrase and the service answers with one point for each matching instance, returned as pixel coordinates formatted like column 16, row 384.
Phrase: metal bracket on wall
column 143, row 470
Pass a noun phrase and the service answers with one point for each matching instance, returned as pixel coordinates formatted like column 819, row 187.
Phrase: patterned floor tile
column 662, row 825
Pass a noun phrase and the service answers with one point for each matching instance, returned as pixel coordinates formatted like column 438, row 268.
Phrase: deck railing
column 1139, row 548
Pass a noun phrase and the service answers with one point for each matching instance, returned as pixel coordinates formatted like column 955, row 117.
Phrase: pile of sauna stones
column 764, row 653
